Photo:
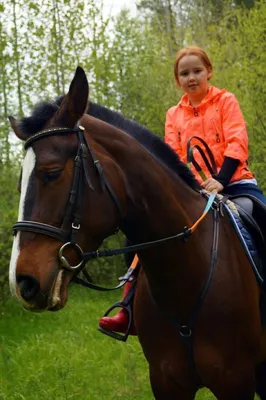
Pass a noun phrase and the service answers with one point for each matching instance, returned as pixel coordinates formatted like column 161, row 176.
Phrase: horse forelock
column 41, row 113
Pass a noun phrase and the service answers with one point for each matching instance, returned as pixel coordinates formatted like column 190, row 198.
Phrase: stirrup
column 115, row 335
column 126, row 304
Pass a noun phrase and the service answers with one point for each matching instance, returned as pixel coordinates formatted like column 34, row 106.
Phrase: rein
column 191, row 159
column 142, row 246
column 72, row 216
column 134, row 248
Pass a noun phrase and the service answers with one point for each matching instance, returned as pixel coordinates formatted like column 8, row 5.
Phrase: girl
column 214, row 115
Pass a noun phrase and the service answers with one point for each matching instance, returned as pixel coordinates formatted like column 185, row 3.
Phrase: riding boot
column 119, row 322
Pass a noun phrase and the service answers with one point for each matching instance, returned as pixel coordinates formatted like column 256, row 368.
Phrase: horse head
column 64, row 197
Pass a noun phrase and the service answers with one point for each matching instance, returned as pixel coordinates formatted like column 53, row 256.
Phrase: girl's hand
column 212, row 185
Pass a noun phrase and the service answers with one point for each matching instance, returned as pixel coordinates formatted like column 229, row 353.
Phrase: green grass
column 62, row 356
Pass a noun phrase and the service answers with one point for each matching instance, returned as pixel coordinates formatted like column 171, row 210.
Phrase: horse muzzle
column 33, row 298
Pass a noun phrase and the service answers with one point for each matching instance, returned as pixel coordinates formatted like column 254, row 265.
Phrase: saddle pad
column 247, row 242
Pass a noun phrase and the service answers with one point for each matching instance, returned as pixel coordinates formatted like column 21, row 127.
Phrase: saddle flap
column 253, row 211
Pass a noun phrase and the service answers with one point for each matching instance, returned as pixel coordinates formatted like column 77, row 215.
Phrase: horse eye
column 50, row 176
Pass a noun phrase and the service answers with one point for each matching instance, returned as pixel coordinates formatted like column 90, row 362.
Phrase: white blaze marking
column 27, row 168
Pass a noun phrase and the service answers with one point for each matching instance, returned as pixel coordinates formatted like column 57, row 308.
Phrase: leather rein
column 72, row 215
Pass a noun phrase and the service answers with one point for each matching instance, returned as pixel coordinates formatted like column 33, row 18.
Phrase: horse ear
column 15, row 126
column 75, row 102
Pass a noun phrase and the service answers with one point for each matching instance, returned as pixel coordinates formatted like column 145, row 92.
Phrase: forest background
column 129, row 63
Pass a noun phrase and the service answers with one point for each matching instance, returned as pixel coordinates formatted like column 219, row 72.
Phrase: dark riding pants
column 245, row 188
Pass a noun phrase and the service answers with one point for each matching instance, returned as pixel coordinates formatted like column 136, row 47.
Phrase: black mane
column 153, row 143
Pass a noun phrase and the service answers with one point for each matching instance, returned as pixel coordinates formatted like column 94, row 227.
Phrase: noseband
column 72, row 214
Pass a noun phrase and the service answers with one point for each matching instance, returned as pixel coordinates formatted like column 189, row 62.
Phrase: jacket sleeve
column 234, row 130
column 227, row 170
column 170, row 136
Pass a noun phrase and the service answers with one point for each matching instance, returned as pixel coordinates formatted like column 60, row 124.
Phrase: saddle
column 253, row 215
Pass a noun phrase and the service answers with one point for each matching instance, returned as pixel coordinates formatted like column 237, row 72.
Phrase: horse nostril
column 28, row 286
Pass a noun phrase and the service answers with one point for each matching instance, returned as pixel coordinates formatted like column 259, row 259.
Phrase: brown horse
column 196, row 306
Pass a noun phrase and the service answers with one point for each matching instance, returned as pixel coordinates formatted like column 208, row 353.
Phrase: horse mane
column 43, row 111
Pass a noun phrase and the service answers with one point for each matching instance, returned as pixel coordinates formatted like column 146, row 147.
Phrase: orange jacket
column 219, row 121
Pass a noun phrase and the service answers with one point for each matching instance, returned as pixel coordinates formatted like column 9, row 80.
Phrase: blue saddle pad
column 248, row 244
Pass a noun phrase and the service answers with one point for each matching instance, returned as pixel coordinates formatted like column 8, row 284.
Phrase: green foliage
column 142, row 82
column 59, row 356
column 8, row 212
column 62, row 356
column 239, row 55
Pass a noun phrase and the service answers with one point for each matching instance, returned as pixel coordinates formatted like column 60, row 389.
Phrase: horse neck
column 159, row 204
column 158, row 200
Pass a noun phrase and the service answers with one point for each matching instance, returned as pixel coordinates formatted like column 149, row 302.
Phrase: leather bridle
column 72, row 215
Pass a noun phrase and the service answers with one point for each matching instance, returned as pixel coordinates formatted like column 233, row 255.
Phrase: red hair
column 195, row 51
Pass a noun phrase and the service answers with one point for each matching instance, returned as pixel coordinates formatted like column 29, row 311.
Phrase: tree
column 238, row 51
column 4, row 142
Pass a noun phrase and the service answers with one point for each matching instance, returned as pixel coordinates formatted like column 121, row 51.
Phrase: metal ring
column 64, row 261
column 185, row 331
column 77, row 227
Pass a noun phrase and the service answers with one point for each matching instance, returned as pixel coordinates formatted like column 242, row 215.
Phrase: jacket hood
column 213, row 94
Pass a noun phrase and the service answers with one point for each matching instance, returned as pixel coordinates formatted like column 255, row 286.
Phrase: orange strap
column 194, row 226
column 134, row 262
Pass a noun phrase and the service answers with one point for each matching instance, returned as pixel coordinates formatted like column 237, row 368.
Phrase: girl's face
column 193, row 76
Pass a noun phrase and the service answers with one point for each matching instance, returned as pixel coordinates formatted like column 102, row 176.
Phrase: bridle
column 72, row 214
